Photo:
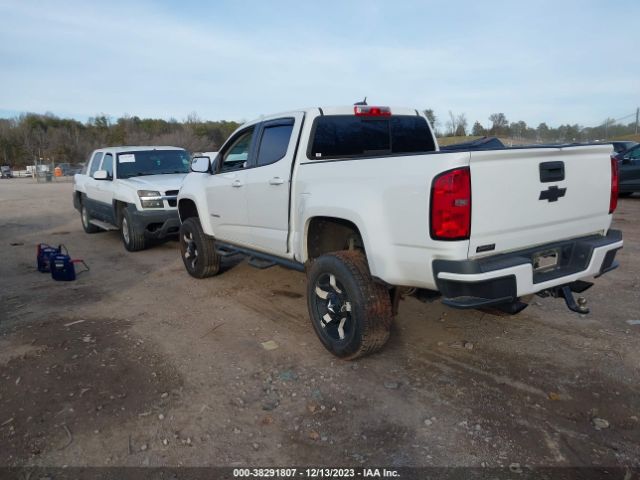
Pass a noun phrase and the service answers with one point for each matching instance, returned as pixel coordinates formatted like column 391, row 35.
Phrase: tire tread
column 90, row 228
column 137, row 240
column 377, row 316
column 210, row 264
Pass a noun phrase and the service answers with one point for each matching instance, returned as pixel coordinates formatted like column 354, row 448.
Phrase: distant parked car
column 620, row 147
column 629, row 167
column 75, row 168
column 5, row 172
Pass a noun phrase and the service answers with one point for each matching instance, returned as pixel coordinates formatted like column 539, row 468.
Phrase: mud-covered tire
column 198, row 251
column 132, row 238
column 368, row 323
column 85, row 218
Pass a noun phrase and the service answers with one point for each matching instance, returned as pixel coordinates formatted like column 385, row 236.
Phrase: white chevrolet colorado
column 364, row 201
column 131, row 189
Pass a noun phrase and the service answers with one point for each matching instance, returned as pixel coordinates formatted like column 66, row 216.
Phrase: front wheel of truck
column 85, row 216
column 350, row 313
column 132, row 237
column 198, row 251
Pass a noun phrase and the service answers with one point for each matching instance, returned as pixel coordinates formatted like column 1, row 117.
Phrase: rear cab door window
column 274, row 141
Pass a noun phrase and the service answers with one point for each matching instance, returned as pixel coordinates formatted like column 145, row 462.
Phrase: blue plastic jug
column 45, row 252
column 63, row 269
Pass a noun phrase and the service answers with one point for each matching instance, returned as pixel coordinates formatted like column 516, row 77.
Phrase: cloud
column 236, row 60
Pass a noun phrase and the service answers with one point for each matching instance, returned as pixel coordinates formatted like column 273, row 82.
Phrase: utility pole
column 637, row 117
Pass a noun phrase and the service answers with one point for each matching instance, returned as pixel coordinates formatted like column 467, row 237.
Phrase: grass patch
column 632, row 137
column 451, row 140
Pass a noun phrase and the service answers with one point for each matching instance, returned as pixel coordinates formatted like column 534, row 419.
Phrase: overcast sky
column 553, row 61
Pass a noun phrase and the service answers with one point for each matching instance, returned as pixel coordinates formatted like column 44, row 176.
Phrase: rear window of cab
column 350, row 136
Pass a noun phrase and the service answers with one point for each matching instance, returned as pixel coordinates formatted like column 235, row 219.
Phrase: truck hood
column 167, row 181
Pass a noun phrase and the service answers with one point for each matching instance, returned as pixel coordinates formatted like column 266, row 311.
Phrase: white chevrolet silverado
column 364, row 201
column 131, row 189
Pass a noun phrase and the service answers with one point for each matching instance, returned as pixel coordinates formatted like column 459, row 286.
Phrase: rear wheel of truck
column 350, row 313
column 86, row 220
column 133, row 239
column 198, row 251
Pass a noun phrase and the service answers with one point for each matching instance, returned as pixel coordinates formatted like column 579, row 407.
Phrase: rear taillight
column 451, row 205
column 613, row 201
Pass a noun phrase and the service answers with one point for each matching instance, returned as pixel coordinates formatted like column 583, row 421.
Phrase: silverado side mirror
column 200, row 164
column 101, row 175
column 626, row 159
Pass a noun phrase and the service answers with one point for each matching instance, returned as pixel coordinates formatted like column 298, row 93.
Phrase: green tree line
column 30, row 137
column 499, row 126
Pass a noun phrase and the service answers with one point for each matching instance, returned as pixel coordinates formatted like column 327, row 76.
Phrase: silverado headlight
column 150, row 199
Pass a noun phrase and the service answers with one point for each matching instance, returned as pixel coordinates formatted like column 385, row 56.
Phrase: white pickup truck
column 131, row 189
column 364, row 201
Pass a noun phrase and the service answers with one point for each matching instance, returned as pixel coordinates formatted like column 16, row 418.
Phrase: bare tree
column 461, row 125
column 499, row 123
column 451, row 125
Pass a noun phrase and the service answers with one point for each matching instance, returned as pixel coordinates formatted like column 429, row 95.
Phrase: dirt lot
column 136, row 363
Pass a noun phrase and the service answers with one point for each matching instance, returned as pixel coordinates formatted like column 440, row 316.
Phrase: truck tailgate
column 521, row 199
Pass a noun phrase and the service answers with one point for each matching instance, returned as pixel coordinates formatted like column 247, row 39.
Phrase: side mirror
column 200, row 164
column 101, row 175
column 626, row 159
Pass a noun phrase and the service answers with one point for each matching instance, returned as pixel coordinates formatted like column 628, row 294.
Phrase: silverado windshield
column 340, row 136
column 152, row 162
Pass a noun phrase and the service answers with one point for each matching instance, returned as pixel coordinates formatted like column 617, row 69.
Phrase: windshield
column 152, row 162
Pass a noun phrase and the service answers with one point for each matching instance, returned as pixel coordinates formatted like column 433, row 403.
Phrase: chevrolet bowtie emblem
column 552, row 194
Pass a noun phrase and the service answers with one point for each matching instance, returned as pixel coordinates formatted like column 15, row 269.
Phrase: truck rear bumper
column 503, row 278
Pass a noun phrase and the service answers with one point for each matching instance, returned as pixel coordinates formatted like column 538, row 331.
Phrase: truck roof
column 140, row 148
column 332, row 110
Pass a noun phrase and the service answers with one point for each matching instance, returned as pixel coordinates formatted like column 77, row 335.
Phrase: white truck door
column 268, row 183
column 226, row 190
column 91, row 185
column 103, row 193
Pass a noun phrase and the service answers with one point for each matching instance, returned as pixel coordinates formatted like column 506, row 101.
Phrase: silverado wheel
column 350, row 313
column 86, row 219
column 133, row 239
column 198, row 251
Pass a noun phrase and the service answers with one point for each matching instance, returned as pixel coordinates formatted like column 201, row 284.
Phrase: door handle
column 237, row 184
column 276, row 181
column 551, row 172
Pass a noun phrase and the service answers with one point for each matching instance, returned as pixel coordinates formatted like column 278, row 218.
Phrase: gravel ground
column 137, row 364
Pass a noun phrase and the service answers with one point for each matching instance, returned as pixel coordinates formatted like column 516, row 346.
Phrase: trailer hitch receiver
column 579, row 307
column 566, row 292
